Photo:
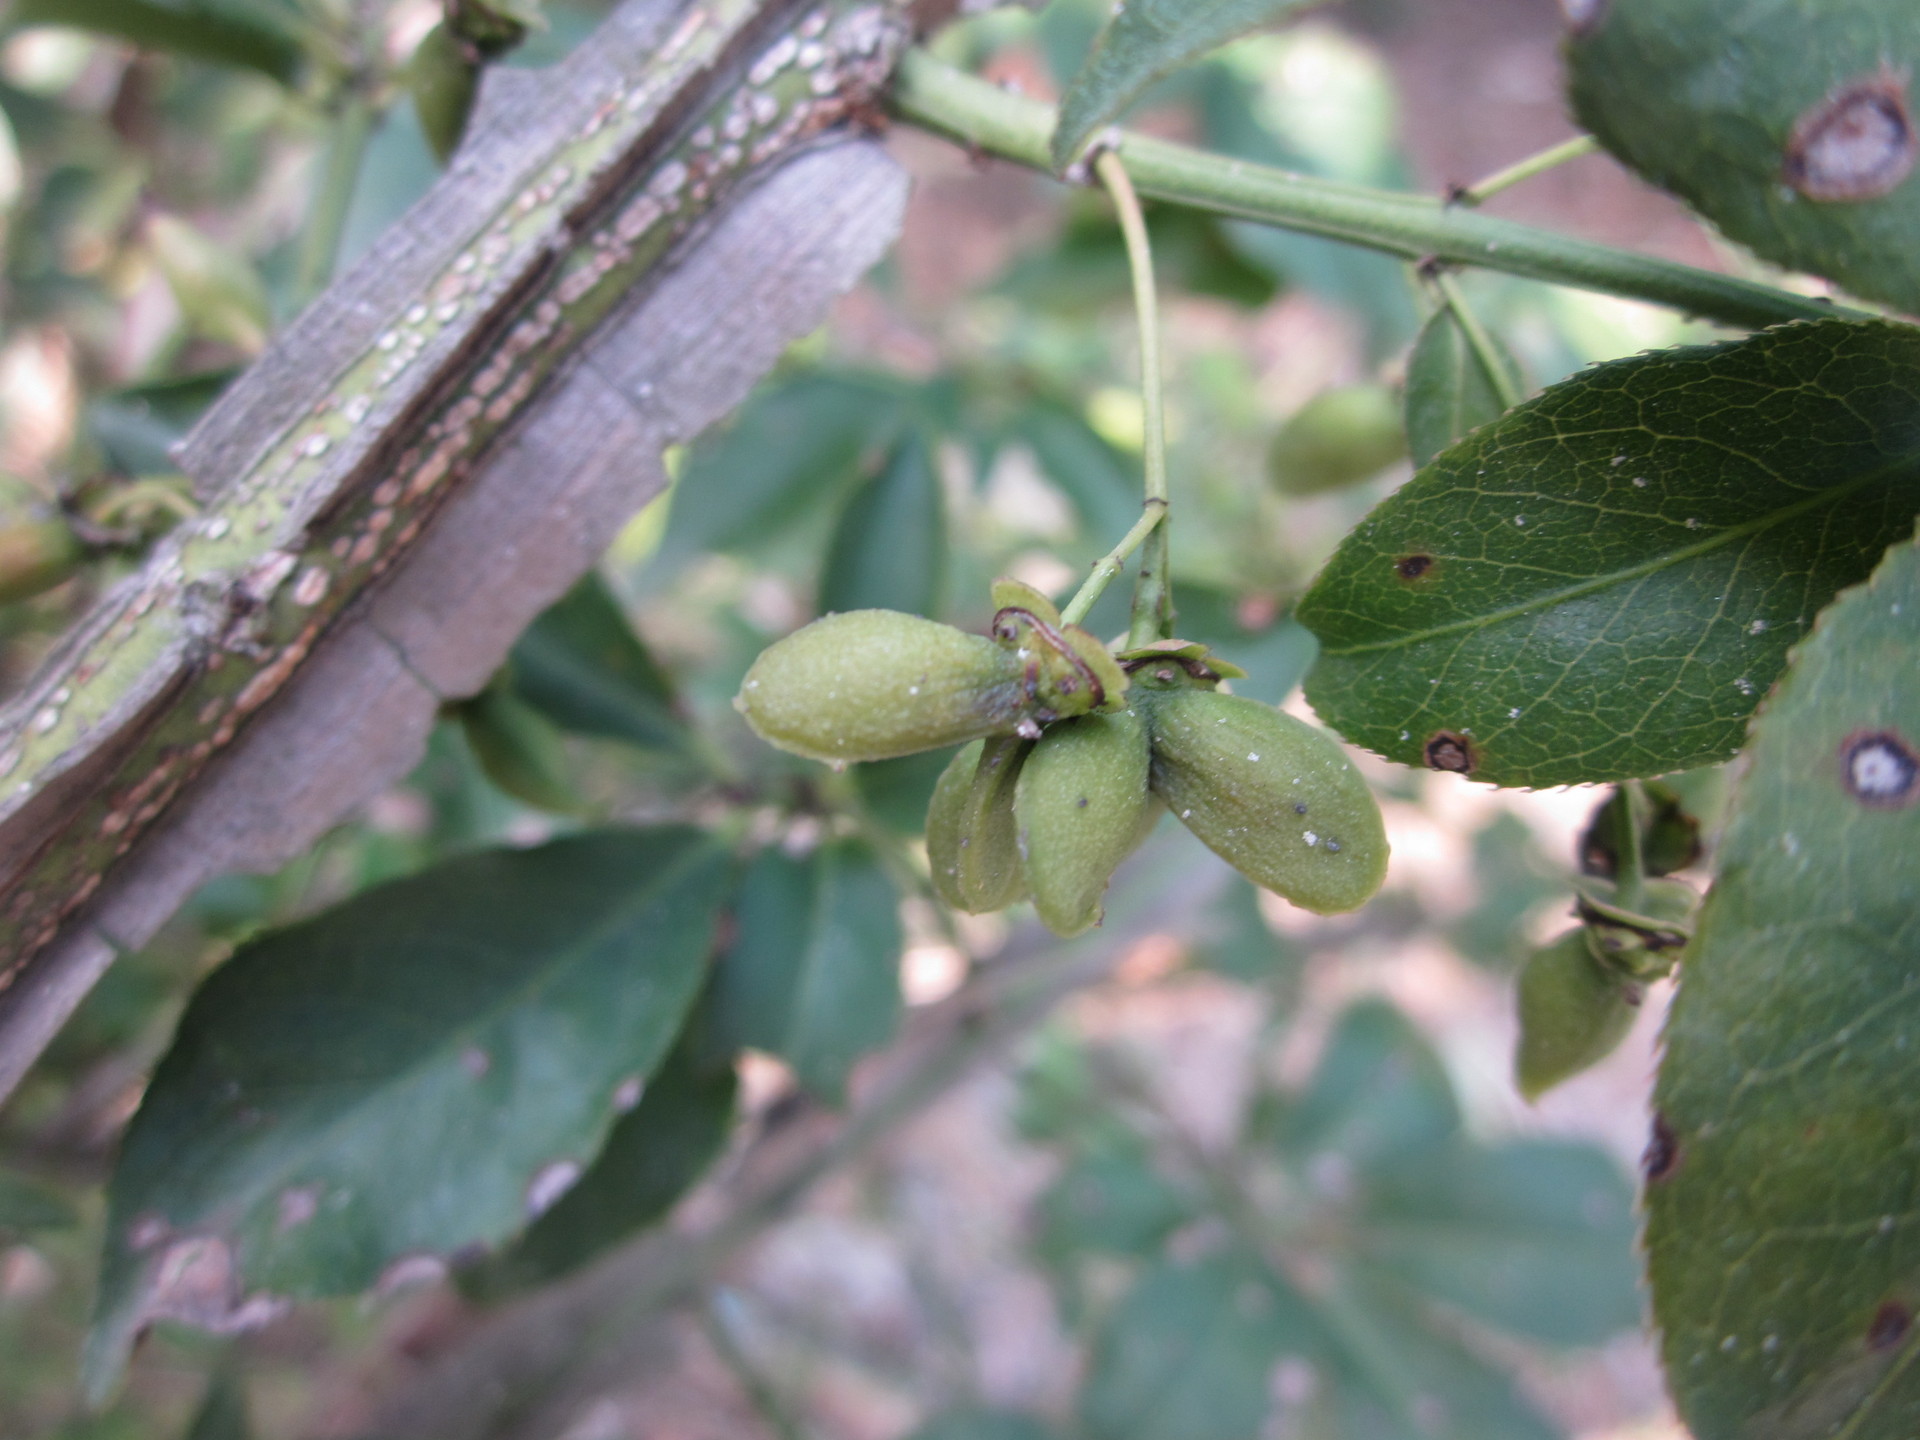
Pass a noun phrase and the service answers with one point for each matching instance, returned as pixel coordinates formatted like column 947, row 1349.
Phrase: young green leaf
column 813, row 973
column 581, row 665
column 1781, row 1239
column 1603, row 583
column 1145, row 40
column 263, row 35
column 889, row 551
column 1791, row 127
column 417, row 1070
column 675, row 1124
column 1450, row 393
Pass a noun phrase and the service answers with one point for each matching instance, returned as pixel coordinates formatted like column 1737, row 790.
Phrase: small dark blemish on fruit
column 1412, row 567
column 1857, row 144
column 1880, row 769
column 1446, row 750
column 1083, row 802
column 1300, row 808
column 1891, row 1322
column 1662, row 1156
column 1333, row 847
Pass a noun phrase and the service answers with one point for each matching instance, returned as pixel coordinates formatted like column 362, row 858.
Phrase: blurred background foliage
column 1270, row 1178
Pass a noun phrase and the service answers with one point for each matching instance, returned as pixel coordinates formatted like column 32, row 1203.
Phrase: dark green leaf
column 137, row 427
column 1791, row 127
column 1379, row 1094
column 1101, row 483
column 1602, row 584
column 26, row 1206
column 813, row 973
column 263, row 35
column 1535, row 1237
column 1110, row 1199
column 889, row 551
column 801, row 443
column 412, row 1072
column 982, row 1425
column 1145, row 40
column 1188, row 1353
column 1450, row 392
column 581, row 665
column 520, row 750
column 1782, row 1239
column 1514, row 880
column 655, row 1153
column 223, row 1412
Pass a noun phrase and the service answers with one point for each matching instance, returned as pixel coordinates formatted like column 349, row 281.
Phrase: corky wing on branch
column 430, row 456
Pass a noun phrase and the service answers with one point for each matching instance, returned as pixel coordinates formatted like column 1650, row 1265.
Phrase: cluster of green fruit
column 1074, row 751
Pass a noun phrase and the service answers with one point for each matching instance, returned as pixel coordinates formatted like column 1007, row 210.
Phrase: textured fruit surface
column 1572, row 1014
column 972, row 841
column 1083, row 805
column 1274, row 797
column 871, row 684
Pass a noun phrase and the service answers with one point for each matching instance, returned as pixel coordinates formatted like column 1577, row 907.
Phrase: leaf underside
column 1148, row 39
column 415, row 1071
column 1783, row 1200
column 1602, row 584
column 1780, row 123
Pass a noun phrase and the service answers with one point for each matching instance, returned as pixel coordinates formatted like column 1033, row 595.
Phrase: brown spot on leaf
column 1412, row 567
column 1857, row 144
column 1880, row 769
column 1891, row 1322
column 1447, row 750
column 1662, row 1156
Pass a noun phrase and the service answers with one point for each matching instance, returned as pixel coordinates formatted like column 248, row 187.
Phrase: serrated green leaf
column 1145, row 40
column 583, row 667
column 655, row 1153
column 889, row 550
column 262, row 35
column 1379, row 1094
column 813, row 973
column 1450, row 392
column 1535, row 1238
column 1603, row 583
column 1782, row 1238
column 1189, row 1350
column 412, row 1072
column 1791, row 127
column 801, row 443
column 27, row 1205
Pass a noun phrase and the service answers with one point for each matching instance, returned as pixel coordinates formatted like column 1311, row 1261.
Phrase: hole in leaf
column 1879, row 769
column 1447, row 750
column 1662, row 1156
column 1857, row 144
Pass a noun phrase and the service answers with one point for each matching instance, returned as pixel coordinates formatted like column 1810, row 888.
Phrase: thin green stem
column 1630, row 864
column 1109, row 566
column 1492, row 363
column 327, row 222
column 1524, row 170
column 1153, row 595
column 1413, row 227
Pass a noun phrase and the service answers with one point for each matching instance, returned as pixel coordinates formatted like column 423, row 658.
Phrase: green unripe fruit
column 972, row 840
column 1275, row 798
column 1083, row 806
column 1574, row 1011
column 442, row 77
column 1338, row 438
column 35, row 556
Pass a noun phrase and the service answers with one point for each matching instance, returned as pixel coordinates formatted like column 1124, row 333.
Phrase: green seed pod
column 872, row 684
column 1275, row 798
column 36, row 555
column 1069, row 671
column 1573, row 1012
column 442, row 77
column 1338, row 438
column 1083, row 805
column 972, row 843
